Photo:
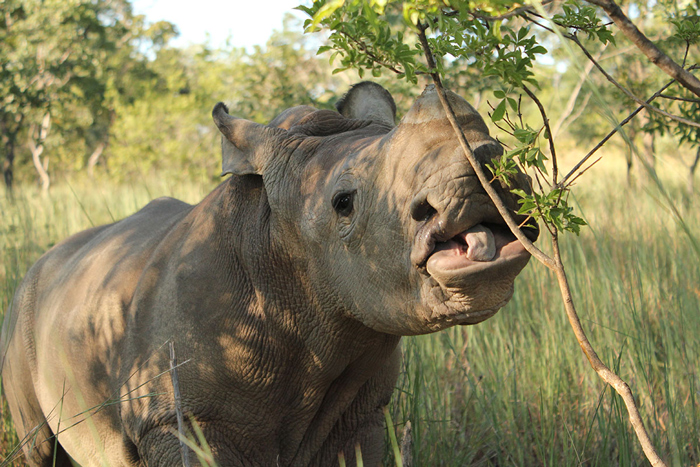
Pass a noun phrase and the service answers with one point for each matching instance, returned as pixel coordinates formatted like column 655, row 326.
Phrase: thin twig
column 184, row 454
column 550, row 136
column 683, row 99
column 602, row 142
column 653, row 53
column 573, row 180
column 363, row 47
column 517, row 12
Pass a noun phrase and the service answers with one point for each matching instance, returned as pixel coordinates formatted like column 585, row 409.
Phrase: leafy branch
column 648, row 48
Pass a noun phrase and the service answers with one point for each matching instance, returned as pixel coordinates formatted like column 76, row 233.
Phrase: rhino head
column 387, row 224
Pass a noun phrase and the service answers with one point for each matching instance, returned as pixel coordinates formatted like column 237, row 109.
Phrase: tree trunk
column 37, row 148
column 8, row 164
column 647, row 156
column 9, row 131
column 691, row 172
column 571, row 104
column 94, row 157
column 629, row 154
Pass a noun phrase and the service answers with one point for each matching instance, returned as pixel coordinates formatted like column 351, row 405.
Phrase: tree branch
column 564, row 181
column 555, row 264
column 653, row 53
column 627, row 92
column 38, row 135
column 550, row 136
column 516, row 12
column 682, row 99
column 363, row 47
column 571, row 103
column 607, row 375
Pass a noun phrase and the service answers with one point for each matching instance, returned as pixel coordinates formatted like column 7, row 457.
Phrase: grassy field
column 514, row 390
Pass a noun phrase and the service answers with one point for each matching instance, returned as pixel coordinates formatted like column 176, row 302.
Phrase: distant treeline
column 88, row 87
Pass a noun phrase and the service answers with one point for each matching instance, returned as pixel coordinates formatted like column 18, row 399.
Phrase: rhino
column 285, row 293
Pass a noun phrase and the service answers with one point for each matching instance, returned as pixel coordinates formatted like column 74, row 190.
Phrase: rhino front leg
column 38, row 441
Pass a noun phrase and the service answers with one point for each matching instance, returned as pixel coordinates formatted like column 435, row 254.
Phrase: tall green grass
column 514, row 390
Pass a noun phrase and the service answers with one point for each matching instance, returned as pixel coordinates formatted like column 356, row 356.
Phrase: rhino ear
column 368, row 101
column 246, row 146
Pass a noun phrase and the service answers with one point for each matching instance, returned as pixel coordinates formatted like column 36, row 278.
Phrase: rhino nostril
column 421, row 209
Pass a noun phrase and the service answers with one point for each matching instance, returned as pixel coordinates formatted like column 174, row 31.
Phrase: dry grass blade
column 184, row 454
column 406, row 442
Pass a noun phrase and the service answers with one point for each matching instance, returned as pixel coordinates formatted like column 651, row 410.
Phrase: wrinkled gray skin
column 285, row 291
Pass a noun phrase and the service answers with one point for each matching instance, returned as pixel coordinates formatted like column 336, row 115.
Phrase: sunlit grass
column 516, row 389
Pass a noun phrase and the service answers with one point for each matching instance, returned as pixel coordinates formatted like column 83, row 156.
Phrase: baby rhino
column 285, row 293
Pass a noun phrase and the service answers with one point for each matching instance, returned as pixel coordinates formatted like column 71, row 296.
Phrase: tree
column 659, row 21
column 496, row 37
column 167, row 124
column 58, row 61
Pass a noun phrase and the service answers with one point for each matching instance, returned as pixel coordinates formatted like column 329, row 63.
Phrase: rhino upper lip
column 436, row 230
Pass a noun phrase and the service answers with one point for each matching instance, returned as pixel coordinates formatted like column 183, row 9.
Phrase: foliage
column 498, row 40
column 59, row 59
column 120, row 94
column 671, row 25
column 576, row 17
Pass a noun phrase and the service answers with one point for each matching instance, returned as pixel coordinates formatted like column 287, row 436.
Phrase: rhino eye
column 342, row 203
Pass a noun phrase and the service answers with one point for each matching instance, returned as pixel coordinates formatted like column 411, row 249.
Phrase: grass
column 514, row 390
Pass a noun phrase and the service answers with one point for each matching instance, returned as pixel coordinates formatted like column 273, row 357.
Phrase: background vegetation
column 100, row 114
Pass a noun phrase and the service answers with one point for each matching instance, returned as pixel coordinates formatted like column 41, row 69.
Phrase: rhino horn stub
column 245, row 145
column 428, row 108
column 368, row 101
column 427, row 117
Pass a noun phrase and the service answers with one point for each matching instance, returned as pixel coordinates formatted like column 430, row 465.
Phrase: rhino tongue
column 481, row 245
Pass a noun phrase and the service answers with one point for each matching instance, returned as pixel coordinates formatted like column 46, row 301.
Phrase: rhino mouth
column 483, row 251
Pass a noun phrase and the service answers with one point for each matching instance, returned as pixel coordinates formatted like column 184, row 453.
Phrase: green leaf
column 499, row 112
column 325, row 11
column 496, row 29
column 513, row 104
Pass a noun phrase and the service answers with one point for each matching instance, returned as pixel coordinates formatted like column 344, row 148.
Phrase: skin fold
column 285, row 293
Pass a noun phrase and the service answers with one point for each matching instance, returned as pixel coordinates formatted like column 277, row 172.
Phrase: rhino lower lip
column 482, row 243
column 451, row 262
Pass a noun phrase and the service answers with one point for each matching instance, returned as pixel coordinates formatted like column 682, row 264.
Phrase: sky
column 248, row 22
